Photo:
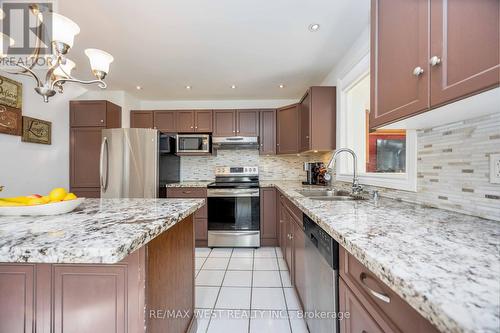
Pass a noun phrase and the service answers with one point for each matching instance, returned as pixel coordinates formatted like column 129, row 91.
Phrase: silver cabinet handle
column 104, row 181
column 434, row 61
column 102, row 121
column 380, row 296
column 418, row 71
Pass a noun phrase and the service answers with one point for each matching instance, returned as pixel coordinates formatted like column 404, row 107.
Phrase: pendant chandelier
column 59, row 67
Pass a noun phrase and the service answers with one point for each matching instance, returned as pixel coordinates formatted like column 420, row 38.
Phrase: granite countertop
column 99, row 231
column 446, row 265
column 190, row 183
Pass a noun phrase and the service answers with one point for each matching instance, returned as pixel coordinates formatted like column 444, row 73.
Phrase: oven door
column 233, row 209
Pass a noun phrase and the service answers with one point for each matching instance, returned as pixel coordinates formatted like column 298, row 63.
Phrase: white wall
column 216, row 104
column 27, row 168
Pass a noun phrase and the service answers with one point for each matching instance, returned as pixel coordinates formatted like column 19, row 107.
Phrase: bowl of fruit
column 58, row 201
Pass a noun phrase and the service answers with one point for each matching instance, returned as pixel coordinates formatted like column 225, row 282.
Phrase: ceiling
column 210, row 45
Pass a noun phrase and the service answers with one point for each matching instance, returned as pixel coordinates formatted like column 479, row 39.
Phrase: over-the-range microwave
column 193, row 143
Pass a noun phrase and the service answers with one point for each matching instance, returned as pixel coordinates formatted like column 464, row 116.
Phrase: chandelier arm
column 52, row 68
column 100, row 83
column 26, row 72
column 38, row 47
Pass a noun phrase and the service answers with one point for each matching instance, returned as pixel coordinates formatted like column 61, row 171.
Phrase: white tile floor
column 245, row 291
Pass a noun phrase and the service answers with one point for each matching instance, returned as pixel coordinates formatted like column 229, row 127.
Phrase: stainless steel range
column 234, row 208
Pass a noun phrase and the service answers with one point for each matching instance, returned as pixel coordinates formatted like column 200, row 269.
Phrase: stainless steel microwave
column 193, row 143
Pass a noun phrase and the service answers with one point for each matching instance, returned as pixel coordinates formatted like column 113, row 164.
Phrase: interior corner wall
column 27, row 168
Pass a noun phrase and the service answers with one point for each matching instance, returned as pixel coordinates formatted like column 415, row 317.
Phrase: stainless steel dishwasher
column 321, row 279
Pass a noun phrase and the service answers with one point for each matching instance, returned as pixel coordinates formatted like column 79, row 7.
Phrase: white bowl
column 53, row 208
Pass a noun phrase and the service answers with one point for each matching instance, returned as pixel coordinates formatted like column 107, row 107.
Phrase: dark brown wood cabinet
column 428, row 53
column 224, row 123
column 318, row 119
column 464, row 49
column 267, row 137
column 203, row 121
column 287, row 130
column 141, row 119
column 185, row 121
column 165, row 121
column 87, row 119
column 201, row 216
column 268, row 225
column 236, row 123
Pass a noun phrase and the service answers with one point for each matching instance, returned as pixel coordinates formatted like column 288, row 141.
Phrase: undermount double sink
column 329, row 194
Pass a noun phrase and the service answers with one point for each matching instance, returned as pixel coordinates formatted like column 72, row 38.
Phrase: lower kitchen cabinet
column 201, row 216
column 268, row 225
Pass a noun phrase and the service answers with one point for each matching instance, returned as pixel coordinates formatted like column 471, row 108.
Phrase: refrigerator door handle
column 104, row 181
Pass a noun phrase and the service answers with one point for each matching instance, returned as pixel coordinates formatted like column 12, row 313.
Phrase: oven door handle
column 236, row 233
column 232, row 193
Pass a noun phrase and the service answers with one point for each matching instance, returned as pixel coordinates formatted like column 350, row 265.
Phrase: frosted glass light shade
column 64, row 30
column 99, row 60
column 5, row 42
column 62, row 70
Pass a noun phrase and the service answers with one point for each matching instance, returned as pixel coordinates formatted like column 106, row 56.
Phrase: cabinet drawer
column 186, row 192
column 384, row 303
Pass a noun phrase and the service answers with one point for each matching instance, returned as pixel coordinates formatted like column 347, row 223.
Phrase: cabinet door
column 288, row 130
column 247, row 122
column 141, row 119
column 359, row 319
column 282, row 225
column 465, row 37
column 290, row 229
column 87, row 192
column 87, row 113
column 268, row 229
column 165, row 121
column 85, row 147
column 203, row 122
column 267, row 133
column 224, row 123
column 17, row 298
column 200, row 229
column 300, row 263
column 79, row 287
column 399, row 47
column 185, row 121
column 305, row 124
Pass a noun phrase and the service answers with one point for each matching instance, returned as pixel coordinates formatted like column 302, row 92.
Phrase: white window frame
column 400, row 181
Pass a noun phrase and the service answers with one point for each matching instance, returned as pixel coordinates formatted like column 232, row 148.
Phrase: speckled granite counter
column 445, row 265
column 193, row 183
column 99, row 231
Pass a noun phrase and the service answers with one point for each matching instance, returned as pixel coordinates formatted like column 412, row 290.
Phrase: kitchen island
column 112, row 265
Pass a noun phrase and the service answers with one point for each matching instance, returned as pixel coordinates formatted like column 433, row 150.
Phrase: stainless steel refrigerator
column 129, row 163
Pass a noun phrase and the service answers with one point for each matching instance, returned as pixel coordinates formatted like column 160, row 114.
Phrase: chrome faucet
column 356, row 187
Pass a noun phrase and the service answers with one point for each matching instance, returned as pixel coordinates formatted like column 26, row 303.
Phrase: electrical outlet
column 495, row 168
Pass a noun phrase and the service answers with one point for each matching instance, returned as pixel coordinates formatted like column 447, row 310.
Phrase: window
column 386, row 157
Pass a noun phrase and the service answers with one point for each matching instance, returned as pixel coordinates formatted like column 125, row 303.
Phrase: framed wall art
column 10, row 120
column 11, row 93
column 37, row 131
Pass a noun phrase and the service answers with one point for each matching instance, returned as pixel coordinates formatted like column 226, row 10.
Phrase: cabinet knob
column 102, row 120
column 434, row 61
column 307, row 136
column 262, row 145
column 234, row 131
column 196, row 127
column 418, row 71
column 277, row 144
column 191, row 126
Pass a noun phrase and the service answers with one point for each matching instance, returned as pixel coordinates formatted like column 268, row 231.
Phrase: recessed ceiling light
column 314, row 27
column 282, row 86
column 138, row 87
column 188, row 87
column 233, row 86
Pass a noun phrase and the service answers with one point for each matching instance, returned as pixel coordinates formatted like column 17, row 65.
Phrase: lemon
column 69, row 196
column 46, row 199
column 57, row 194
column 36, row 201
column 5, row 203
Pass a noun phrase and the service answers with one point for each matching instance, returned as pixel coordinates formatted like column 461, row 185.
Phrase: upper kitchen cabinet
column 399, row 60
column 464, row 51
column 185, row 121
column 317, row 128
column 141, row 119
column 426, row 54
column 287, row 130
column 236, row 123
column 267, row 138
column 247, row 122
column 203, row 121
column 165, row 121
column 95, row 114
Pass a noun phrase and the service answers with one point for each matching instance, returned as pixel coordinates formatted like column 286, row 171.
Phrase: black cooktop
column 254, row 184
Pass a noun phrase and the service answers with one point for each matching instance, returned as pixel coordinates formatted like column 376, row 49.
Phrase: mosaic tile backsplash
column 453, row 168
column 283, row 167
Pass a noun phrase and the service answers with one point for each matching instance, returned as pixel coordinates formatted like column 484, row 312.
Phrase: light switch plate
column 495, row 168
